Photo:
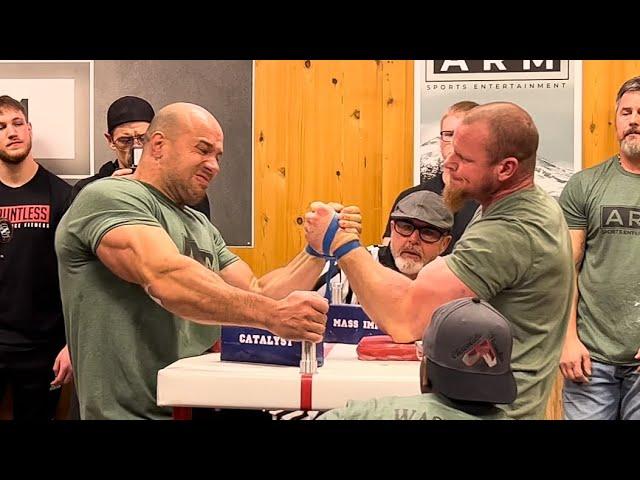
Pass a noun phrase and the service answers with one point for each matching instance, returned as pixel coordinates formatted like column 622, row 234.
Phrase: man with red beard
column 516, row 255
column 602, row 207
column 461, row 218
column 34, row 360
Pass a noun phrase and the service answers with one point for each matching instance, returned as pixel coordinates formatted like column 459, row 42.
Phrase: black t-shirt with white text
column 31, row 322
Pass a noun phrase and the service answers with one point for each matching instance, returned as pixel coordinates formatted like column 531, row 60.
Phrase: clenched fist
column 300, row 316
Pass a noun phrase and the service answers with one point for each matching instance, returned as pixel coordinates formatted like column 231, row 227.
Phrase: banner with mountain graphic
column 550, row 90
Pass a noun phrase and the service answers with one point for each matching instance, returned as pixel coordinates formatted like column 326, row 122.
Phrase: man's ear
column 446, row 240
column 110, row 141
column 157, row 142
column 507, row 168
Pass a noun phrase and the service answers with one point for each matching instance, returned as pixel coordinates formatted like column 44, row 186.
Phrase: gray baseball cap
column 425, row 206
column 468, row 349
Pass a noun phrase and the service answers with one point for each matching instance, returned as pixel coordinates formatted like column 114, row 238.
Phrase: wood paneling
column 601, row 81
column 332, row 131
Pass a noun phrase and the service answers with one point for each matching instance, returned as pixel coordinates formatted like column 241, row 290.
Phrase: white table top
column 205, row 381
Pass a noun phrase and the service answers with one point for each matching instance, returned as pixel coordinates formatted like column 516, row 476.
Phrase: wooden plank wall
column 343, row 130
column 327, row 130
column 601, row 81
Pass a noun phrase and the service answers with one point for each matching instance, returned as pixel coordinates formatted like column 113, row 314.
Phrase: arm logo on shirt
column 618, row 219
column 203, row 257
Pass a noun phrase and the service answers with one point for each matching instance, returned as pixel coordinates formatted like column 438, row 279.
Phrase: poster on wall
column 57, row 96
column 550, row 90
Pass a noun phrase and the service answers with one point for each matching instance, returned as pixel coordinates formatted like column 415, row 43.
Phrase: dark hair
column 631, row 85
column 6, row 102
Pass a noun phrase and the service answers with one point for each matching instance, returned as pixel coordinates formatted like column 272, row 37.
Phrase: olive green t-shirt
column 517, row 256
column 604, row 201
column 118, row 336
column 428, row 406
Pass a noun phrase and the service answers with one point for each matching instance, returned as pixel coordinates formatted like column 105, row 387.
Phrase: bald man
column 516, row 255
column 145, row 279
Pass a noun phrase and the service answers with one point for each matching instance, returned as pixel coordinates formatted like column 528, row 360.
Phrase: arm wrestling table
column 206, row 382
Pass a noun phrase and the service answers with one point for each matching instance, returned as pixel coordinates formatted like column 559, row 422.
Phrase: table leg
column 182, row 413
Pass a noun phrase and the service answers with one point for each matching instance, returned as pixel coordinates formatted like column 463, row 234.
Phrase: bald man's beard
column 183, row 193
column 454, row 198
column 192, row 196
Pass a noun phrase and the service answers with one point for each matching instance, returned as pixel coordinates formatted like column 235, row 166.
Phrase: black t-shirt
column 31, row 321
column 460, row 219
column 107, row 170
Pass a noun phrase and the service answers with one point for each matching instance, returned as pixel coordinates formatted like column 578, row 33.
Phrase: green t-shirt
column 605, row 202
column 118, row 336
column 517, row 256
column 428, row 406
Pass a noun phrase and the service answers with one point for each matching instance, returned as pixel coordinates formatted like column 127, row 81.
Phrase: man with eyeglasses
column 128, row 119
column 516, row 255
column 34, row 360
column 420, row 232
column 448, row 124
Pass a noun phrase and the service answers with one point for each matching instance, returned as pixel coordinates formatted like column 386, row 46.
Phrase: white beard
column 408, row 266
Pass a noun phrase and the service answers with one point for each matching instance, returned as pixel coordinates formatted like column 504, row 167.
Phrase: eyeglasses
column 427, row 234
column 446, row 135
column 126, row 142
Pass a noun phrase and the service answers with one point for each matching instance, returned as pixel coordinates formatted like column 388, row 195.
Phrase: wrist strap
column 329, row 235
column 346, row 248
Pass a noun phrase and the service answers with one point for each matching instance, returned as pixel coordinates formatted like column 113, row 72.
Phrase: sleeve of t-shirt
column 491, row 256
column 572, row 202
column 225, row 256
column 106, row 204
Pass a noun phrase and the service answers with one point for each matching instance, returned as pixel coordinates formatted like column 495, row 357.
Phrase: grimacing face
column 197, row 154
column 15, row 136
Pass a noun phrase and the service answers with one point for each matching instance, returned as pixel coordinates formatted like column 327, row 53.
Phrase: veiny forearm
column 301, row 273
column 187, row 289
column 382, row 292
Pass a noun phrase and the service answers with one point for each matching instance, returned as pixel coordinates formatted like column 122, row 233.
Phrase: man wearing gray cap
column 128, row 119
column 420, row 232
column 465, row 370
